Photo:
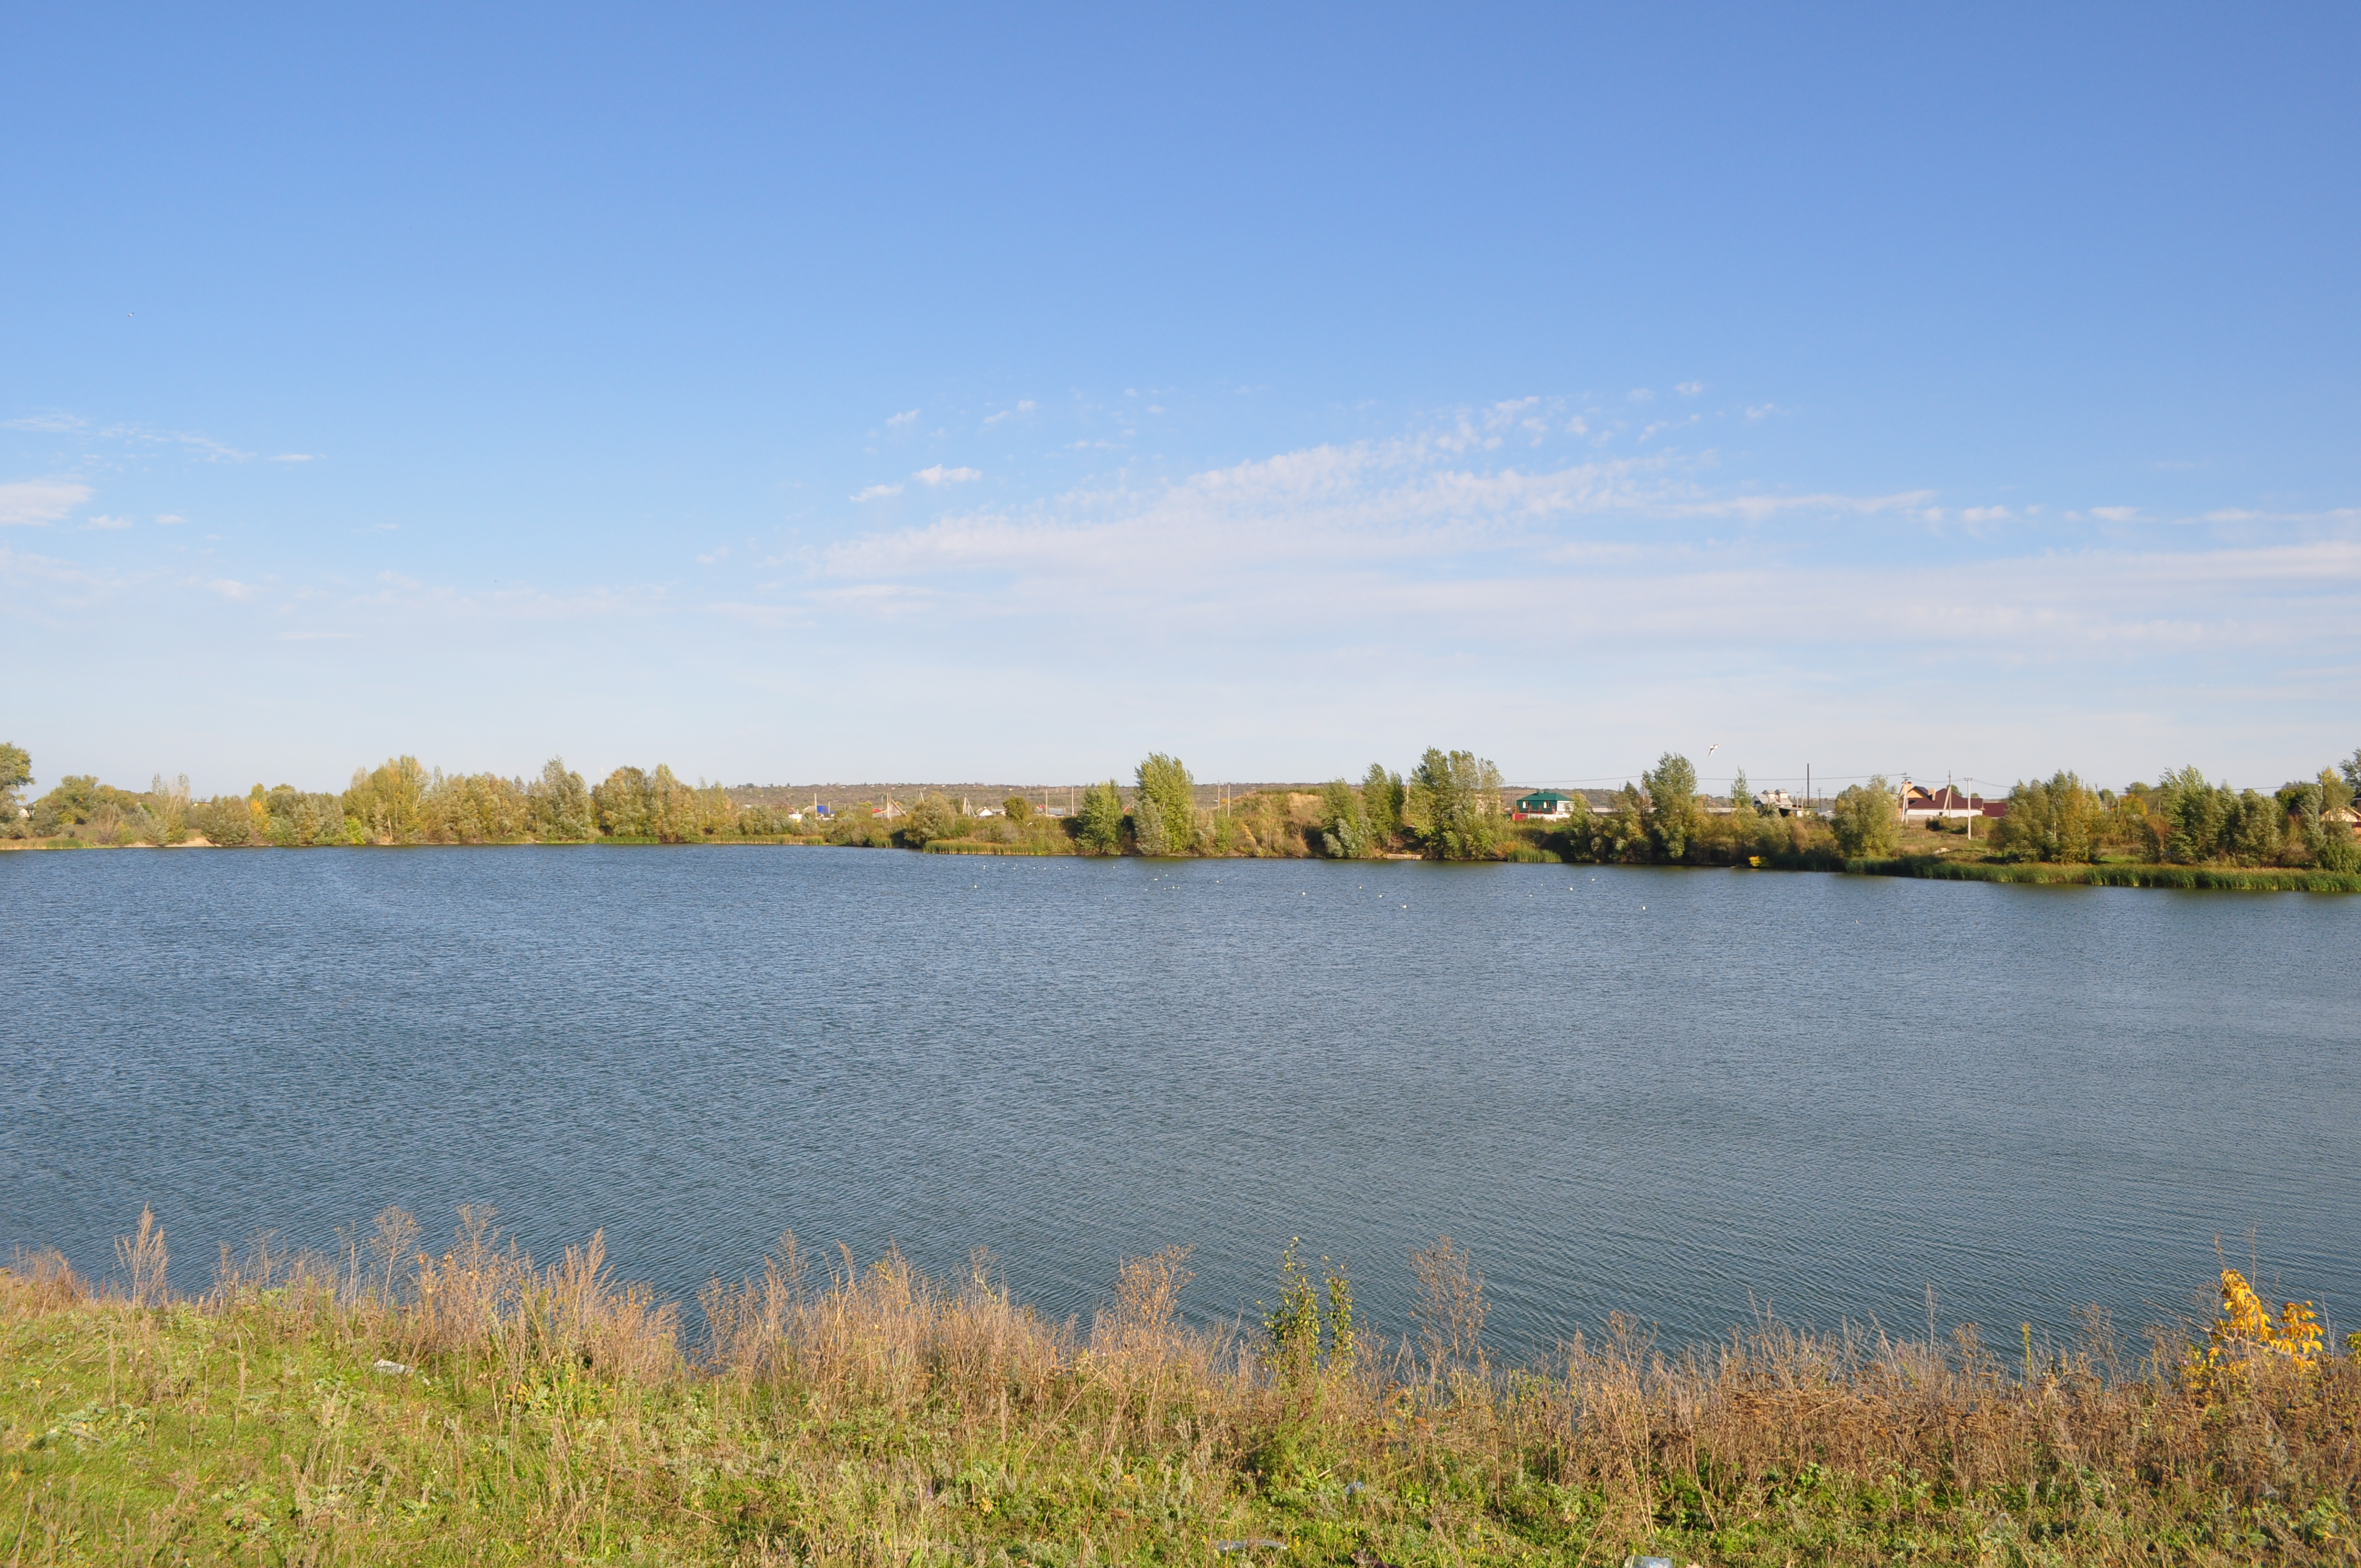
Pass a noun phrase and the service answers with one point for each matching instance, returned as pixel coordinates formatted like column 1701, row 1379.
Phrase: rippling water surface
column 1679, row 1094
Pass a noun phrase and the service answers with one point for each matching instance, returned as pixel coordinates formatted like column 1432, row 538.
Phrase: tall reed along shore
column 463, row 1404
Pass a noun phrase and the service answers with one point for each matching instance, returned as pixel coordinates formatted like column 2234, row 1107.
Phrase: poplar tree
column 1672, row 787
column 1454, row 803
column 1164, row 819
column 1101, row 820
column 1345, row 825
column 1381, row 804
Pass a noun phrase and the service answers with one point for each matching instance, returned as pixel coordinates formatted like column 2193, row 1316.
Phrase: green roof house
column 1545, row 806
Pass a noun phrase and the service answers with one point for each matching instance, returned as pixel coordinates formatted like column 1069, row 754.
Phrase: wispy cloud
column 877, row 492
column 1333, row 546
column 907, row 416
column 108, row 525
column 939, row 475
column 169, row 519
column 1023, row 407
column 36, row 503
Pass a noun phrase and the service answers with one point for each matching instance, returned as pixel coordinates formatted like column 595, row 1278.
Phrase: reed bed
column 399, row 1404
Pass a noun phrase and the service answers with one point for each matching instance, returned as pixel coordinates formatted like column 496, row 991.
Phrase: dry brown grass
column 869, row 1414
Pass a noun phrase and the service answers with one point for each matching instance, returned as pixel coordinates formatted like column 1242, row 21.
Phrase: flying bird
column 1709, row 751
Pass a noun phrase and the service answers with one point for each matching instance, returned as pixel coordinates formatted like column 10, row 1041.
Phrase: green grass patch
column 482, row 1409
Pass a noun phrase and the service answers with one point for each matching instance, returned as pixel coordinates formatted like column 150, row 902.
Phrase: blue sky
column 938, row 395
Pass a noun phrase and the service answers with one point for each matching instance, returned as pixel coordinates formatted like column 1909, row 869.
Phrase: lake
column 1686, row 1095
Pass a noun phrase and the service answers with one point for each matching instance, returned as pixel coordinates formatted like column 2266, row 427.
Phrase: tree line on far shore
column 1450, row 806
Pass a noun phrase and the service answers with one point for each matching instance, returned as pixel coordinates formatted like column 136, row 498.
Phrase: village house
column 1545, row 806
column 1920, row 803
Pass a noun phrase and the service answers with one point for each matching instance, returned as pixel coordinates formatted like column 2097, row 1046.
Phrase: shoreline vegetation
column 2184, row 831
column 390, row 1404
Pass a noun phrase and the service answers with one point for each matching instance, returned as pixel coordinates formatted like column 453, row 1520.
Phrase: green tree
column 2196, row 816
column 290, row 817
column 932, row 817
column 623, row 806
column 673, row 810
column 16, row 773
column 717, row 813
column 1100, row 820
column 77, row 797
column 1344, row 832
column 167, row 809
column 1017, row 809
column 2255, row 830
column 1672, row 787
column 1381, row 804
column 2057, row 820
column 1866, row 820
column 1164, row 816
column 2330, row 836
column 390, row 802
column 1741, row 799
column 1620, row 834
column 223, row 820
column 2318, row 810
column 1453, row 802
column 559, row 805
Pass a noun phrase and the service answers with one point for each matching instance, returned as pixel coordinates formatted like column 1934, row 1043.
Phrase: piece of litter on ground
column 390, row 1368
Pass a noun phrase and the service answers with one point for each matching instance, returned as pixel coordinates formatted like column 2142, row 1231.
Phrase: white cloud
column 1641, row 395
column 1023, row 407
column 52, row 424
column 296, row 457
column 1689, row 388
column 908, row 416
column 1984, row 514
column 36, row 503
column 1766, row 411
column 108, row 525
column 877, row 492
column 231, row 589
column 939, row 475
column 2115, row 514
column 169, row 518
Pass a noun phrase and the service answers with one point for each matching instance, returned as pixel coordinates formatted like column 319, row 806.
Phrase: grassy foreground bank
column 473, row 1407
